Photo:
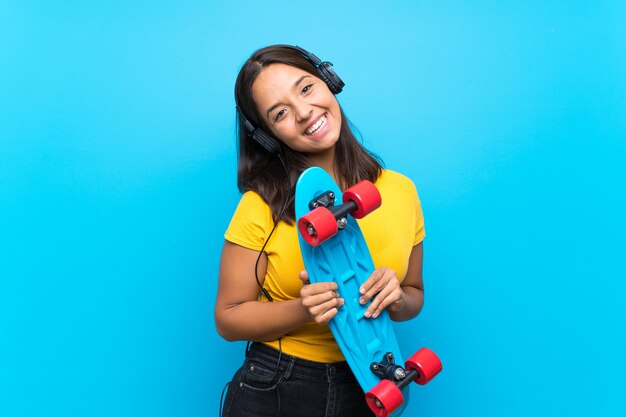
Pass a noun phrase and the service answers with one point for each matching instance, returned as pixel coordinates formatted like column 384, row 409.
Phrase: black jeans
column 296, row 387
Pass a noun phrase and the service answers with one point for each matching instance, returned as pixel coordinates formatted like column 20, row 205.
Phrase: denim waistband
column 292, row 365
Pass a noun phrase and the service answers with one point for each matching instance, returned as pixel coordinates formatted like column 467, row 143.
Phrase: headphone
column 324, row 71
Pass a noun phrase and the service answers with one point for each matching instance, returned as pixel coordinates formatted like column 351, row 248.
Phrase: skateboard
column 334, row 249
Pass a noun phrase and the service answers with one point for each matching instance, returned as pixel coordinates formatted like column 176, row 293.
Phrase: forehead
column 274, row 81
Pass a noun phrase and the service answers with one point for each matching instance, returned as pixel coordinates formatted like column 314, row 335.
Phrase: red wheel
column 366, row 197
column 426, row 363
column 317, row 226
column 384, row 398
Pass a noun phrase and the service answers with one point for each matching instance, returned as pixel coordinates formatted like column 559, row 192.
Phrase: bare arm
column 403, row 301
column 240, row 316
column 238, row 313
column 412, row 288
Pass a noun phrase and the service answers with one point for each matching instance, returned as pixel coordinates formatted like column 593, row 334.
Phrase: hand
column 384, row 287
column 320, row 300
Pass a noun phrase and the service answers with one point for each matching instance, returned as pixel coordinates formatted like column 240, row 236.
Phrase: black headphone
column 326, row 74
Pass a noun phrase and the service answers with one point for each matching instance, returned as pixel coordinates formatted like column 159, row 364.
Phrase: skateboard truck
column 326, row 218
column 388, row 369
column 340, row 212
column 386, row 396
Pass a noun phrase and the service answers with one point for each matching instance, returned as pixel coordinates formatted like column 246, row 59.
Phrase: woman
column 289, row 119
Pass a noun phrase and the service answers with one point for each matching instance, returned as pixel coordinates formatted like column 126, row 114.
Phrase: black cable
column 222, row 397
column 280, row 356
column 264, row 291
column 280, row 216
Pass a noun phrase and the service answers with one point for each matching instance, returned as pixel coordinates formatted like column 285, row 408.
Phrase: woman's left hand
column 383, row 286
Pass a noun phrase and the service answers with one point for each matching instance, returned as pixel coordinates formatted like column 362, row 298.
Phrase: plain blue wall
column 117, row 181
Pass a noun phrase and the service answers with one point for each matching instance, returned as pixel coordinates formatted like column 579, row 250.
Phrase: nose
column 303, row 110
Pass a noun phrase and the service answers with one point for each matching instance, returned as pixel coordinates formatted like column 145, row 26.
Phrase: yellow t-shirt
column 391, row 231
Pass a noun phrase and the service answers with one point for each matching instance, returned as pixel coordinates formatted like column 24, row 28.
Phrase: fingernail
column 362, row 290
column 362, row 300
column 375, row 315
column 367, row 314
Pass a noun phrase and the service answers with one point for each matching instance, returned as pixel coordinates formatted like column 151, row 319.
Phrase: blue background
column 117, row 181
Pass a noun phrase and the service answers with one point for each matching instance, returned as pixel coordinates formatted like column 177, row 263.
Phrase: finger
column 321, row 287
column 387, row 296
column 321, row 309
column 378, row 283
column 304, row 277
column 310, row 300
column 327, row 316
column 375, row 308
column 370, row 281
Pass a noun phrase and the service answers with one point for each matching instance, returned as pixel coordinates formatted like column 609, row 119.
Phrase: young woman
column 289, row 119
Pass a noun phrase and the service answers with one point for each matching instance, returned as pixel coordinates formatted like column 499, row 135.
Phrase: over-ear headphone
column 324, row 69
column 326, row 74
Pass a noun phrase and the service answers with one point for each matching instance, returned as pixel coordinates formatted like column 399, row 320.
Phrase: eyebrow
column 298, row 81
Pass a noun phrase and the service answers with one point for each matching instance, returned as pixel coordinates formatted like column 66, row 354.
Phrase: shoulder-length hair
column 260, row 171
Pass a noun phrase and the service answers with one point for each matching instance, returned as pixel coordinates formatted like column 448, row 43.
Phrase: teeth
column 321, row 122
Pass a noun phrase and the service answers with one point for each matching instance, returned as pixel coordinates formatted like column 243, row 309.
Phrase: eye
column 307, row 88
column 279, row 115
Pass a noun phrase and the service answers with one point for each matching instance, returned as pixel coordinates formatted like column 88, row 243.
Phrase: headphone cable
column 280, row 216
column 289, row 199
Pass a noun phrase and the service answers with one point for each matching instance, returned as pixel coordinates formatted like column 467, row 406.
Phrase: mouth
column 316, row 126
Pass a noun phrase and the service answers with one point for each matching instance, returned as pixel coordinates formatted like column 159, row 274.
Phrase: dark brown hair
column 260, row 171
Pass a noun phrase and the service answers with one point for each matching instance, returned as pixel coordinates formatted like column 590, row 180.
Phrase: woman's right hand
column 321, row 300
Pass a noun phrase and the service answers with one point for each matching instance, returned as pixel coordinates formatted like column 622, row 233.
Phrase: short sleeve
column 250, row 223
column 420, row 232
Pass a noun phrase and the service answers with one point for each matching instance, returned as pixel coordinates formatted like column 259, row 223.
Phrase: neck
column 326, row 161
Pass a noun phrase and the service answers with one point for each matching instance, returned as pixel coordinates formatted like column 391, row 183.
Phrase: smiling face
column 299, row 110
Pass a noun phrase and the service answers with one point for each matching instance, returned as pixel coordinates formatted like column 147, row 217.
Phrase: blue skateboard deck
column 346, row 260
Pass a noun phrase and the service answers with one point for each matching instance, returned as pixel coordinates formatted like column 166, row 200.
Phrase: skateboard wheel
column 426, row 363
column 317, row 226
column 366, row 197
column 384, row 398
